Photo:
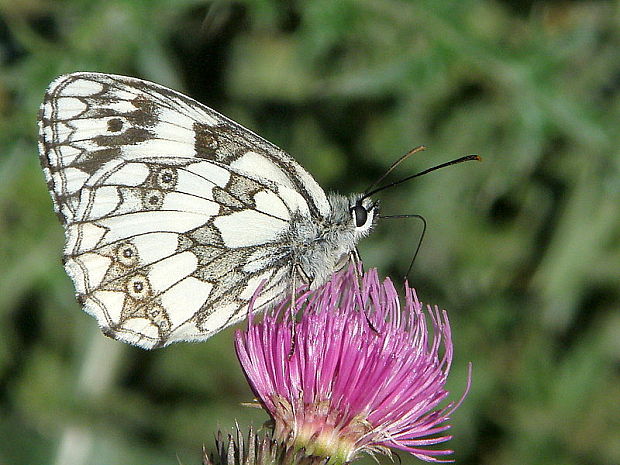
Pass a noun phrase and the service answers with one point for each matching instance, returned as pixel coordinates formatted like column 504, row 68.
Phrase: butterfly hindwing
column 173, row 213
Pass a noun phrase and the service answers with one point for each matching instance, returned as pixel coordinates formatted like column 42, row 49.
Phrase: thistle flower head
column 362, row 374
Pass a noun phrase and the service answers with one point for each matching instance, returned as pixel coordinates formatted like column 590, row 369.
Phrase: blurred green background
column 522, row 249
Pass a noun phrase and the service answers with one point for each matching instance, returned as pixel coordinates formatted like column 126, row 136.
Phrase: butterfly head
column 364, row 212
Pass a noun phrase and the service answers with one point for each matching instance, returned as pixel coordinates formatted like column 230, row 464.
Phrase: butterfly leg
column 293, row 307
column 358, row 265
column 359, row 272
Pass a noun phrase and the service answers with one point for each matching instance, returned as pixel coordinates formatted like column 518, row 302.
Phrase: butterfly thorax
column 323, row 246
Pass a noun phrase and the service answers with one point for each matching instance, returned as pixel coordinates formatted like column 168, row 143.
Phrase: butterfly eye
column 360, row 214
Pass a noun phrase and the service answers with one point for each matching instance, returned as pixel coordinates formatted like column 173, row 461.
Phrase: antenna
column 373, row 190
column 417, row 149
column 401, row 159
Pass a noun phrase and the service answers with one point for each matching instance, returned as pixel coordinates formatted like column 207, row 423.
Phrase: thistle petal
column 365, row 375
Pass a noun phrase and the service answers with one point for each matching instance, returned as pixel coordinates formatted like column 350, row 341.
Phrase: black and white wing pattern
column 173, row 213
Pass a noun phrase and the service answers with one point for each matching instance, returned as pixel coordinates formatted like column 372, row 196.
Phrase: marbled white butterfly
column 174, row 214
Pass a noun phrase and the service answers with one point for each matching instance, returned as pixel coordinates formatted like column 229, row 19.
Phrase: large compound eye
column 360, row 214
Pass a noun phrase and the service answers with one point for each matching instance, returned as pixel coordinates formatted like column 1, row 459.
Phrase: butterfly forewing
column 173, row 213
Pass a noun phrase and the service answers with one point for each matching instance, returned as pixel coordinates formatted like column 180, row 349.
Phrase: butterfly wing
column 173, row 213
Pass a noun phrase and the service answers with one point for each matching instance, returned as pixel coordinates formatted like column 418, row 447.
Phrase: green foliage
column 523, row 249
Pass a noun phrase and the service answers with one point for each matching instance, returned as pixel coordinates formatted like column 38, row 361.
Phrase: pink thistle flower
column 364, row 374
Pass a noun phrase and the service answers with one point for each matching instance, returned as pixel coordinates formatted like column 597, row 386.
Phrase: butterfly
column 174, row 214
